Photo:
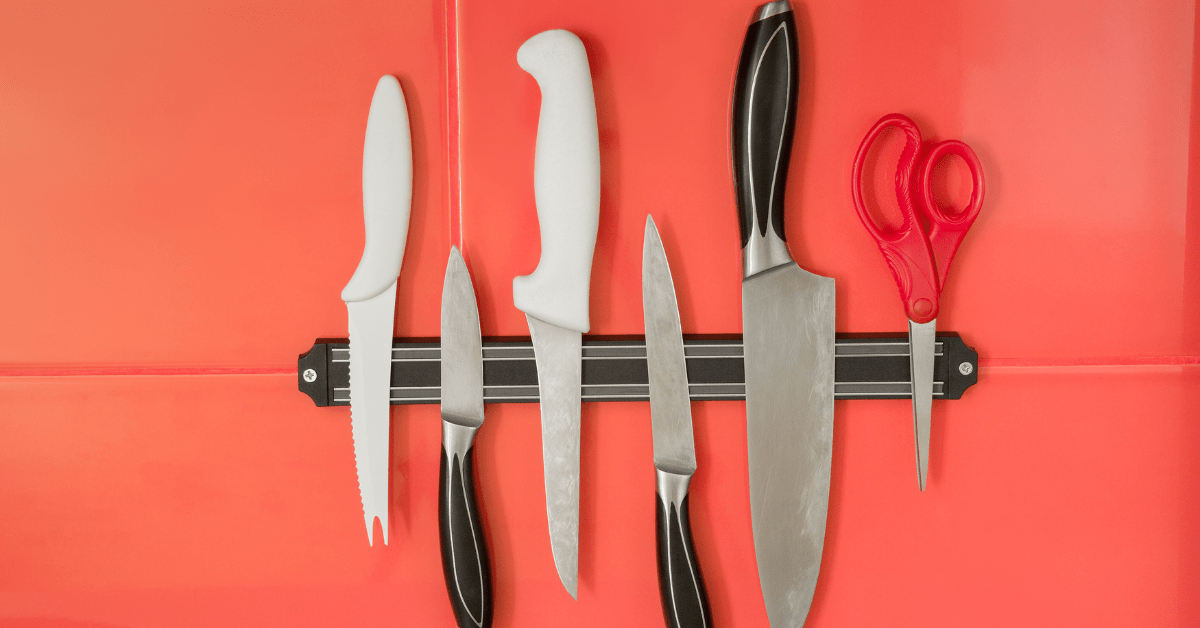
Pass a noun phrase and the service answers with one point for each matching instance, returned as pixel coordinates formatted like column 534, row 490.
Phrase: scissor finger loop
column 935, row 212
column 909, row 157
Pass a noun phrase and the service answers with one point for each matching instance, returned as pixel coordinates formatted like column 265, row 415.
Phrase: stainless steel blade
column 462, row 347
column 921, row 339
column 370, row 401
column 788, row 330
column 670, row 405
column 559, row 356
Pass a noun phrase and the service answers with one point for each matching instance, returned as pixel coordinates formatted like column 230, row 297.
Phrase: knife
column 566, row 187
column 371, row 294
column 684, row 601
column 464, row 548
column 788, row 330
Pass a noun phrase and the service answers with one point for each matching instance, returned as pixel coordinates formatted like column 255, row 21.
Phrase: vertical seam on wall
column 453, row 130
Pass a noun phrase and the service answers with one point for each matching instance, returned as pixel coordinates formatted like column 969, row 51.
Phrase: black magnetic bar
column 865, row 367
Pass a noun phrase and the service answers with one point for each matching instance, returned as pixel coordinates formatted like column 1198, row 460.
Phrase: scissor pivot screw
column 310, row 375
column 965, row 368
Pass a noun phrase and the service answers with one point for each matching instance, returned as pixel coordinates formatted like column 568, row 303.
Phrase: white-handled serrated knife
column 566, row 183
column 787, row 330
column 371, row 294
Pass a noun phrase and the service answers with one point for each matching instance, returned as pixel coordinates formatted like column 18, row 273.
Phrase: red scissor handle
column 905, row 249
column 947, row 230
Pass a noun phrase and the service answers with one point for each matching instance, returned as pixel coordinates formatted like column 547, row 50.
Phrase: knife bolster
column 457, row 439
column 672, row 487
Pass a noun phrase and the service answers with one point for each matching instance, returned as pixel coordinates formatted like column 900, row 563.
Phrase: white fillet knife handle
column 566, row 181
column 370, row 295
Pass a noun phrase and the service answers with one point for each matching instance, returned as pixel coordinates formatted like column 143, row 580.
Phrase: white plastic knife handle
column 566, row 181
column 387, row 193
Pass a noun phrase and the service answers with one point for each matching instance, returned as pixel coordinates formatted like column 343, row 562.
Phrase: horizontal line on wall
column 140, row 371
column 1158, row 360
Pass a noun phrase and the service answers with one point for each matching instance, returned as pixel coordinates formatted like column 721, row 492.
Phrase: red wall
column 180, row 205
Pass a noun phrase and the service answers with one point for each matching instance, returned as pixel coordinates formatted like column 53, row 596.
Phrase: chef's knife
column 566, row 186
column 464, row 548
column 371, row 294
column 684, row 601
column 788, row 330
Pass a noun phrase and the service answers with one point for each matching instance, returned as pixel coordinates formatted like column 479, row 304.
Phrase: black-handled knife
column 764, row 112
column 788, row 320
column 464, row 548
column 684, row 602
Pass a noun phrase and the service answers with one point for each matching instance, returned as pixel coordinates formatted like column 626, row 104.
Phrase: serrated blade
column 670, row 405
column 558, row 353
column 788, row 331
column 370, row 401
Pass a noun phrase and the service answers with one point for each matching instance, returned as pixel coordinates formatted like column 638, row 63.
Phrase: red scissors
column 919, row 257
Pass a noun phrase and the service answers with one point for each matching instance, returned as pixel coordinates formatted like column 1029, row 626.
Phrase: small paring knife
column 465, row 561
column 370, row 295
column 684, row 600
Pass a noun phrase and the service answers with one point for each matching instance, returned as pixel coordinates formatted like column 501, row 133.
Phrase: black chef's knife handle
column 464, row 548
column 684, row 602
column 764, row 120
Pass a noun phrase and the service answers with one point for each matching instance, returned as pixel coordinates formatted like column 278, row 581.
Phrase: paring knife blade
column 788, row 331
column 465, row 561
column 684, row 600
column 370, row 295
column 554, row 297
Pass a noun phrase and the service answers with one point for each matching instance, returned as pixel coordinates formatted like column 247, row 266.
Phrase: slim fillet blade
column 558, row 353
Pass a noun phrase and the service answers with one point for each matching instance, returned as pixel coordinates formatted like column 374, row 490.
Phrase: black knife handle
column 764, row 118
column 684, row 601
column 464, row 548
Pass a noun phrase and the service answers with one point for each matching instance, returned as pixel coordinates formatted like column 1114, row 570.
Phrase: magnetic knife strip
column 614, row 369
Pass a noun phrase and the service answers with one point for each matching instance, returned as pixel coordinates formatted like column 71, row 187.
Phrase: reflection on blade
column 370, row 375
column 559, row 356
column 788, row 319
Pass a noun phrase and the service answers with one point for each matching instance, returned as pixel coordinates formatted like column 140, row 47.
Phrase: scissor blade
column 558, row 353
column 921, row 339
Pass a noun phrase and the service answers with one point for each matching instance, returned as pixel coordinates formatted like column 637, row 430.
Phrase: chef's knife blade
column 684, row 600
column 555, row 296
column 788, row 331
column 370, row 295
column 465, row 561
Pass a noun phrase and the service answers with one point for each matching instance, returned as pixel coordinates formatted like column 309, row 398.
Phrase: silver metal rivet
column 310, row 375
column 965, row 368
